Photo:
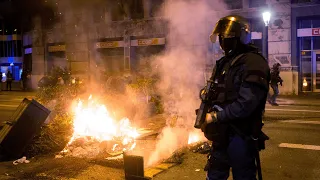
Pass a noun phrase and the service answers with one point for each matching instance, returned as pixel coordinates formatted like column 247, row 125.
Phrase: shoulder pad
column 256, row 69
column 255, row 60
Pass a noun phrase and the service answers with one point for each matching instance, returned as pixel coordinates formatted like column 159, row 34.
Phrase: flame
column 195, row 137
column 94, row 120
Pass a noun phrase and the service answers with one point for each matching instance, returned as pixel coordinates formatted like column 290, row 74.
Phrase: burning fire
column 93, row 121
column 195, row 137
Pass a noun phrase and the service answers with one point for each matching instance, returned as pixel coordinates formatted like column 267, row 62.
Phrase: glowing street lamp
column 266, row 18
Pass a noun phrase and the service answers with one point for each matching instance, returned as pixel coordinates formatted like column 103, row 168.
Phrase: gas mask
column 228, row 44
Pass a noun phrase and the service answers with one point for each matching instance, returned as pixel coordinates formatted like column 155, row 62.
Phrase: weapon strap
column 213, row 73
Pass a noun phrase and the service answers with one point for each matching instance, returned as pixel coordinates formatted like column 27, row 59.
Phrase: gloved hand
column 280, row 83
column 210, row 118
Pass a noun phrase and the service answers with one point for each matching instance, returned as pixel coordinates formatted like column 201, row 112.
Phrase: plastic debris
column 197, row 170
column 58, row 156
column 21, row 160
column 203, row 149
column 41, row 175
column 115, row 157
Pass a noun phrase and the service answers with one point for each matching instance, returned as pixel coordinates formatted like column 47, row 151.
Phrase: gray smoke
column 181, row 66
column 182, row 69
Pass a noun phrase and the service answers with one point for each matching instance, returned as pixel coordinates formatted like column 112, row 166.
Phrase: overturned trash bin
column 24, row 124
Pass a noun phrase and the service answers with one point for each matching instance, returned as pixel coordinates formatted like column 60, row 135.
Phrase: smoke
column 80, row 23
column 182, row 69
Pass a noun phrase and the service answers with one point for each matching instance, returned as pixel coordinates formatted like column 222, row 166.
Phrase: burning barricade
column 96, row 132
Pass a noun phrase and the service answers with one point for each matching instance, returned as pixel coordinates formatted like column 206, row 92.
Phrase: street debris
column 21, row 160
column 197, row 170
column 91, row 148
column 41, row 175
column 58, row 156
column 115, row 157
column 202, row 149
column 176, row 157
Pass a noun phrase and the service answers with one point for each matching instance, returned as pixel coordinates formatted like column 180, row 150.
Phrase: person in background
column 24, row 80
column 1, row 81
column 275, row 80
column 28, row 80
column 9, row 80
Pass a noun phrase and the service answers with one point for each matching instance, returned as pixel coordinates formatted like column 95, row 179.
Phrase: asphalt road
column 9, row 101
column 293, row 152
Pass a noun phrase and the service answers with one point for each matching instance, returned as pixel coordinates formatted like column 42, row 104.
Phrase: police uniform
column 242, row 78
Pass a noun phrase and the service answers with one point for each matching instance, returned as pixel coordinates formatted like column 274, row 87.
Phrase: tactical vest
column 227, row 93
column 224, row 74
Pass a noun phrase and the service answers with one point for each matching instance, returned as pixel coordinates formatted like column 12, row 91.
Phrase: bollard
column 133, row 167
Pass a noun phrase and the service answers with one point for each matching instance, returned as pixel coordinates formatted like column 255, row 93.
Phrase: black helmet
column 230, row 27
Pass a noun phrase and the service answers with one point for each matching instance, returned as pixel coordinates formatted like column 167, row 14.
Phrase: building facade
column 306, row 44
column 88, row 43
column 10, row 51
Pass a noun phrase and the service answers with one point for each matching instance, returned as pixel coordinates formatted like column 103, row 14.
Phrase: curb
column 153, row 171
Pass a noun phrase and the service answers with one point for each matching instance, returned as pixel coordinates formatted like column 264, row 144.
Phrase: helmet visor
column 225, row 28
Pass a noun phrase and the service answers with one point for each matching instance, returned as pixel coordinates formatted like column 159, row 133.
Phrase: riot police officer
column 242, row 78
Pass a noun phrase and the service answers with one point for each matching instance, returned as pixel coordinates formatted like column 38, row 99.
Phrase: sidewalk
column 15, row 86
column 8, row 95
column 18, row 93
column 305, row 100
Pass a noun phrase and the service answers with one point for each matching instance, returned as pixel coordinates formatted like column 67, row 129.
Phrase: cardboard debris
column 21, row 160
column 115, row 157
column 113, row 154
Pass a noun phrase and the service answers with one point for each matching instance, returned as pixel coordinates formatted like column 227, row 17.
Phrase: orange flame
column 93, row 120
column 195, row 136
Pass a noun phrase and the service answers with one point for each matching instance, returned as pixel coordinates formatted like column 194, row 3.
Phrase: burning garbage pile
column 96, row 132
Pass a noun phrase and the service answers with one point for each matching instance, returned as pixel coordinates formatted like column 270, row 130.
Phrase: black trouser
column 240, row 156
column 9, row 85
column 273, row 98
column 24, row 85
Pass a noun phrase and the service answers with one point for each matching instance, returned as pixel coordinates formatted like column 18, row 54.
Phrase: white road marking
column 6, row 105
column 300, row 146
column 10, row 100
column 293, row 110
column 282, row 105
column 301, row 122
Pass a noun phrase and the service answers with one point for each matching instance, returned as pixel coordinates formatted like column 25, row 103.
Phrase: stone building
column 10, row 51
column 88, row 42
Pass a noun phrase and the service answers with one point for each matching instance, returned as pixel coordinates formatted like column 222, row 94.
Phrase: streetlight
column 266, row 18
